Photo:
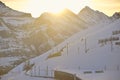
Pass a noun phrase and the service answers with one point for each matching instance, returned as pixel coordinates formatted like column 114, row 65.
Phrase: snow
column 93, row 17
column 17, row 21
column 75, row 59
column 21, row 76
column 5, row 61
column 3, row 24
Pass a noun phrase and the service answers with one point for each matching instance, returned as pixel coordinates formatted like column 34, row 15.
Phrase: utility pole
column 67, row 48
column 105, row 68
column 85, row 45
column 34, row 70
column 47, row 71
column 78, row 49
column 79, row 67
column 39, row 71
column 118, row 67
column 31, row 72
column 51, row 72
column 111, row 43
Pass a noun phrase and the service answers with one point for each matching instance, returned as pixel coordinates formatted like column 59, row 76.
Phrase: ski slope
column 81, row 54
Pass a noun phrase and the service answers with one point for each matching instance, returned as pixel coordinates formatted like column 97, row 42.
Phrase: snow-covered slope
column 92, row 54
column 93, row 17
column 24, row 37
column 12, row 48
column 59, row 23
column 51, row 29
column 19, row 34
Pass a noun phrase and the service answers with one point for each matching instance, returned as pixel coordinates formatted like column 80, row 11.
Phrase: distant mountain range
column 23, row 36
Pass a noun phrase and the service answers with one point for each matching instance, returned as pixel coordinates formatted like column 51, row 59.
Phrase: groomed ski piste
column 92, row 54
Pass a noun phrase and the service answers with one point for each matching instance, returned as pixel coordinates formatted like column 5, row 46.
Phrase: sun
column 36, row 7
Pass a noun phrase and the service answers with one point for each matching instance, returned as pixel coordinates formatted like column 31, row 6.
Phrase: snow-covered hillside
column 92, row 54
column 93, row 17
column 13, row 51
column 23, row 37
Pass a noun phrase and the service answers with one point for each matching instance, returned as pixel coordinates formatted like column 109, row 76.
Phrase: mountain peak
column 67, row 12
column 2, row 4
column 116, row 15
column 86, row 9
column 92, row 16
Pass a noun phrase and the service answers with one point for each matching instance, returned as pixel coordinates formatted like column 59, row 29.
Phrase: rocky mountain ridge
column 24, row 36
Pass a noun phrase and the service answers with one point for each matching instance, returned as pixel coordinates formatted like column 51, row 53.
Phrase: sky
column 37, row 7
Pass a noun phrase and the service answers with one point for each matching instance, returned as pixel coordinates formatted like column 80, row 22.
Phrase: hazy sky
column 36, row 7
